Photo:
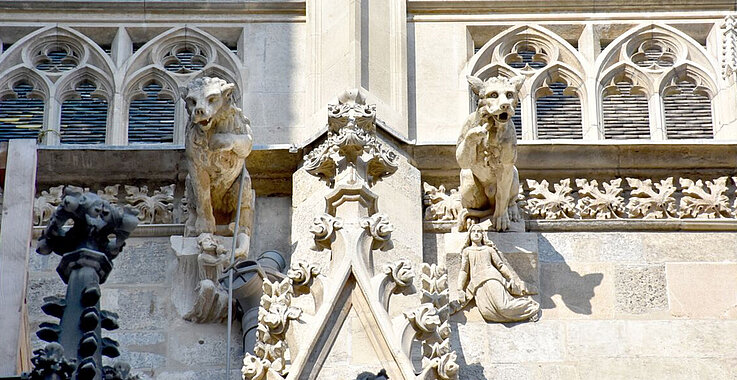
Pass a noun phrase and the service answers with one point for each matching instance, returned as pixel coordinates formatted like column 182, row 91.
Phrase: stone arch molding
column 79, row 49
column 495, row 56
column 553, row 59
column 9, row 78
column 671, row 54
column 209, row 52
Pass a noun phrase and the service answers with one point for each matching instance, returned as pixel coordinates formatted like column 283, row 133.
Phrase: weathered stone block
column 142, row 350
column 640, row 289
column 197, row 345
column 576, row 290
column 542, row 341
column 139, row 308
column 702, row 290
column 142, row 261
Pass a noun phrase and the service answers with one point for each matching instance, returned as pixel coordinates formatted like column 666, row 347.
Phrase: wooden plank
column 15, row 240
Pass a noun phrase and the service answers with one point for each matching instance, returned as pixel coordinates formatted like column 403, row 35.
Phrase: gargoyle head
column 205, row 97
column 497, row 96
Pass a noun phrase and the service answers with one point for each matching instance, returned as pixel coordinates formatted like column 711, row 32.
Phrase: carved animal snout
column 199, row 111
column 506, row 106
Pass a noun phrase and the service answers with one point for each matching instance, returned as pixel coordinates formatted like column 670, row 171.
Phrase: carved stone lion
column 218, row 140
column 487, row 151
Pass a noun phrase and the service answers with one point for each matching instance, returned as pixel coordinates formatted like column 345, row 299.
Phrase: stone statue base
column 201, row 261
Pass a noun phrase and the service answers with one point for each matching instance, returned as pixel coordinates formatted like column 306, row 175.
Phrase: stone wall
column 148, row 290
column 615, row 305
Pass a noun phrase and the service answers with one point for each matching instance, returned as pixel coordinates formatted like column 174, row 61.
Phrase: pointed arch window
column 687, row 111
column 21, row 112
column 558, row 112
column 625, row 111
column 151, row 115
column 84, row 116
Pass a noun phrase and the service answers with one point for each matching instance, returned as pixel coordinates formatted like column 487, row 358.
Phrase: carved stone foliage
column 380, row 228
column 705, row 199
column 274, row 316
column 637, row 199
column 351, row 143
column 595, row 203
column 430, row 322
column 323, row 227
column 545, row 204
column 651, row 203
column 400, row 272
column 154, row 207
column 302, row 274
column 218, row 141
column 729, row 46
column 49, row 361
column 439, row 205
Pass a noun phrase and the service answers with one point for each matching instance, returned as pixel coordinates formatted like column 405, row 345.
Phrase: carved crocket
column 487, row 151
column 218, row 140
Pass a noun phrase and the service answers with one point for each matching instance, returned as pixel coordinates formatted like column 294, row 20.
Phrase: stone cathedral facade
column 370, row 234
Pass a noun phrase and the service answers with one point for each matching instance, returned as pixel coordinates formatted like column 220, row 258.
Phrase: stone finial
column 97, row 226
column 351, row 143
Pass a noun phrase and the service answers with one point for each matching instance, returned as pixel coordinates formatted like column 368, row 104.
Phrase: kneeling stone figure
column 486, row 277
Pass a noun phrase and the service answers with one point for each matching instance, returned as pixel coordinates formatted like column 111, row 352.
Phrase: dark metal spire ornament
column 87, row 249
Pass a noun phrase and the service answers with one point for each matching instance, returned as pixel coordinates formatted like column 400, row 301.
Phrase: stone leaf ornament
column 274, row 316
column 302, row 273
column 430, row 322
column 400, row 272
column 439, row 205
column 597, row 204
column 324, row 227
column 380, row 228
column 706, row 200
column 650, row 200
column 351, row 138
column 154, row 208
column 545, row 204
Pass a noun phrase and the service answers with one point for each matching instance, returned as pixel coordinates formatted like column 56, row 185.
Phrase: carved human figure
column 218, row 141
column 485, row 276
column 212, row 258
column 487, row 151
column 211, row 304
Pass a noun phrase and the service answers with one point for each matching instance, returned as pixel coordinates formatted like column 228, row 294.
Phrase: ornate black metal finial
column 87, row 248
column 370, row 376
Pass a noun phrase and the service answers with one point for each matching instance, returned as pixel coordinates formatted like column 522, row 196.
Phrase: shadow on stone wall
column 468, row 370
column 557, row 278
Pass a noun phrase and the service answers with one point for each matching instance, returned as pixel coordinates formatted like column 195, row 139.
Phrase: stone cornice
column 570, row 6
column 272, row 166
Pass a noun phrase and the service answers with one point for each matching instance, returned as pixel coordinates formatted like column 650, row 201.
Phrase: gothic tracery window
column 151, row 115
column 687, row 111
column 84, row 115
column 21, row 112
column 558, row 112
column 625, row 111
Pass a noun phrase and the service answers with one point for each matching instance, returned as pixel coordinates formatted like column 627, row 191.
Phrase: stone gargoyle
column 487, row 152
column 218, row 141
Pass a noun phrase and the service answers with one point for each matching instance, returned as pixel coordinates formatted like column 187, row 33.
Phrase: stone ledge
column 594, row 225
column 143, row 230
column 631, row 225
